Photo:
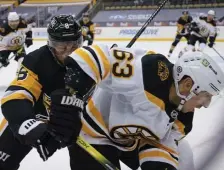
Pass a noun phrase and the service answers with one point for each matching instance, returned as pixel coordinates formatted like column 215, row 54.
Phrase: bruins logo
column 163, row 71
column 17, row 40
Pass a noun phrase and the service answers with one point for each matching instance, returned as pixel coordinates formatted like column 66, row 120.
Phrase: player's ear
column 185, row 86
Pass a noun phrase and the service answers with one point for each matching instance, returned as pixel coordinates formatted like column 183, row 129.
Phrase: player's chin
column 199, row 106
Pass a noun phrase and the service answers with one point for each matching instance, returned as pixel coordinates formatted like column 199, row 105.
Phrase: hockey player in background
column 202, row 29
column 26, row 103
column 146, row 103
column 87, row 28
column 14, row 33
column 182, row 30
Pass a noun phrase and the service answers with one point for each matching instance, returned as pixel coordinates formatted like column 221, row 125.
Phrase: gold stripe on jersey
column 88, row 59
column 158, row 102
column 159, row 155
column 28, row 80
column 89, row 130
column 158, row 145
column 97, row 115
column 3, row 124
column 104, row 59
column 179, row 126
column 16, row 96
column 179, row 28
column 92, row 28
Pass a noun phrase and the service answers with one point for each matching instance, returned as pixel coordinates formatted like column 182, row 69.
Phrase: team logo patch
column 205, row 62
column 163, row 71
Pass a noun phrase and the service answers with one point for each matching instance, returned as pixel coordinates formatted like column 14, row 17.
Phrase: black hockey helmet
column 86, row 14
column 64, row 28
column 185, row 12
column 64, row 35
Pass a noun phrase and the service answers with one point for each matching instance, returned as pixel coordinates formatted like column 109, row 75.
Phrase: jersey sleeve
column 22, row 94
column 94, row 61
column 180, row 25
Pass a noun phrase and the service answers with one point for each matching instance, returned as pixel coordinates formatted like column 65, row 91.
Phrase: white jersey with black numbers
column 205, row 29
column 134, row 111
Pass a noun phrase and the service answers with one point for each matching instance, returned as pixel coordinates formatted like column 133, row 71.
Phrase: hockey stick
column 20, row 50
column 95, row 154
column 218, row 53
column 138, row 34
column 85, row 145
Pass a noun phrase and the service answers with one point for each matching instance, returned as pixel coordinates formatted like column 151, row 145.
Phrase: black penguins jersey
column 182, row 24
column 28, row 94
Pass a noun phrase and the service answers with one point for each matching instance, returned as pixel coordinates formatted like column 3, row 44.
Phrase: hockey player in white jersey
column 203, row 29
column 151, row 105
column 13, row 35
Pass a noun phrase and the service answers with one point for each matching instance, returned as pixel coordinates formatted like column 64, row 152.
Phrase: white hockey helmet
column 13, row 16
column 211, row 12
column 203, row 70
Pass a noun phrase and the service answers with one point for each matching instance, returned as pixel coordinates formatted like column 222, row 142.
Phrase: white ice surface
column 207, row 122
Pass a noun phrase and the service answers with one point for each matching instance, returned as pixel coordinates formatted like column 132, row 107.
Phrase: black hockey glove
column 28, row 42
column 210, row 44
column 211, row 41
column 194, row 27
column 65, row 115
column 36, row 133
column 29, row 39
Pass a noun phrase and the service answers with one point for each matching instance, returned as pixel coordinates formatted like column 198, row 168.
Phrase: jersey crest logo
column 163, row 71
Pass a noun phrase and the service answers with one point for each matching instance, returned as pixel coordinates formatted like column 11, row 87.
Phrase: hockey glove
column 210, row 44
column 28, row 42
column 65, row 115
column 211, row 41
column 35, row 133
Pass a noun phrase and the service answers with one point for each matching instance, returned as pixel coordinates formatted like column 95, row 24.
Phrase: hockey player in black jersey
column 182, row 30
column 13, row 34
column 87, row 28
column 26, row 105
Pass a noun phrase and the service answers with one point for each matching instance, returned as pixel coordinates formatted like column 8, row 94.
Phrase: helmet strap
column 184, row 98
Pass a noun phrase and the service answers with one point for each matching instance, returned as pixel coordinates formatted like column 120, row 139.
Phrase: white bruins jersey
column 205, row 29
column 13, row 39
column 138, row 82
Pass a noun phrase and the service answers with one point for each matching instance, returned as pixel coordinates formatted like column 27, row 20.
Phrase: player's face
column 63, row 49
column 203, row 99
column 13, row 24
column 85, row 19
column 210, row 17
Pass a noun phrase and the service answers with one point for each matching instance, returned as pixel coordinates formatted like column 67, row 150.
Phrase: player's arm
column 180, row 25
column 18, row 108
column 91, row 30
column 212, row 35
column 3, row 34
column 29, row 37
column 86, row 68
